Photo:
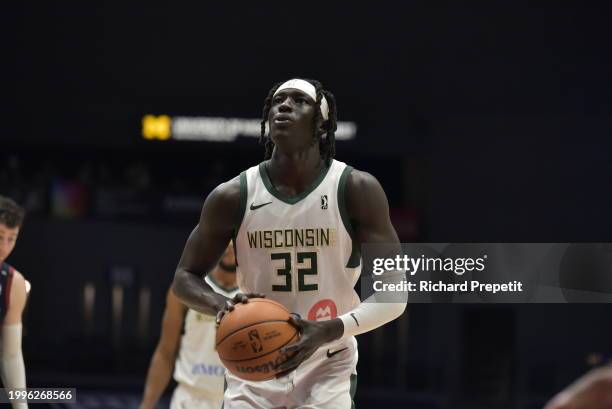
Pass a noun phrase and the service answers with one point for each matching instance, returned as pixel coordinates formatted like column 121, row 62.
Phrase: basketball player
column 13, row 299
column 592, row 391
column 197, row 368
column 297, row 221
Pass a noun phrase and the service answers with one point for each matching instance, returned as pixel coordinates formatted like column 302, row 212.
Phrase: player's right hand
column 230, row 303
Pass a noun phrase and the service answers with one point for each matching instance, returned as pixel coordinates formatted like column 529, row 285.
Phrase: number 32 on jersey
column 288, row 265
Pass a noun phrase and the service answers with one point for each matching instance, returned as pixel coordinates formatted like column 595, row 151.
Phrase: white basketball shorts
column 326, row 380
column 185, row 397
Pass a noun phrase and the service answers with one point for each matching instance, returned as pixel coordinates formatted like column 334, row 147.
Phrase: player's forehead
column 293, row 93
column 8, row 231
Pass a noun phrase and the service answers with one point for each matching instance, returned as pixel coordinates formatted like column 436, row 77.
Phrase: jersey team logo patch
column 324, row 202
column 323, row 310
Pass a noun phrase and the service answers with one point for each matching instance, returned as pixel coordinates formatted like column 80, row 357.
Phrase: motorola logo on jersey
column 323, row 310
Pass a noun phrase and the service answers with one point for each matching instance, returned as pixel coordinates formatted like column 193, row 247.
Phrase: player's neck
column 298, row 169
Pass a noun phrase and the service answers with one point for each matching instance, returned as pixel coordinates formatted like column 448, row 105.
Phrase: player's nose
column 285, row 106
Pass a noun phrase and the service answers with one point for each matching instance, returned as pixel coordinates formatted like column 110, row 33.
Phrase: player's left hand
column 313, row 334
column 232, row 302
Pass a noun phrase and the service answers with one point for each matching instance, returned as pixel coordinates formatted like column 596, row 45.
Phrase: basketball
column 250, row 337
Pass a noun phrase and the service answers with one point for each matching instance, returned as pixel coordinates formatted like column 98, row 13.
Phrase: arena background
column 482, row 124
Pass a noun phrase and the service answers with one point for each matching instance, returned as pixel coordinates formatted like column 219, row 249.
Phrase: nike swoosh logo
column 255, row 207
column 330, row 354
column 355, row 318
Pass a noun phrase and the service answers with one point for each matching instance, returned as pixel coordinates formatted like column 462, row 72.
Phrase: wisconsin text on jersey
column 283, row 238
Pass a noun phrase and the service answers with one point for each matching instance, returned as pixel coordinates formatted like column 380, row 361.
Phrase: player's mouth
column 282, row 119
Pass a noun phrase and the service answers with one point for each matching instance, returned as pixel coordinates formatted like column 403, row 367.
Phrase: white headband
column 308, row 89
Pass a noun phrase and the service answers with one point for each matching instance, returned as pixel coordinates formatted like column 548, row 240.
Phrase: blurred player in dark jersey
column 12, row 299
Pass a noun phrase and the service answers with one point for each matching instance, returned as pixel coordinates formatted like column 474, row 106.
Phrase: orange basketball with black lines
column 250, row 337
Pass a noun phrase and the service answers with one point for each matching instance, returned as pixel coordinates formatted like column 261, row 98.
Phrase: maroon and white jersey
column 6, row 279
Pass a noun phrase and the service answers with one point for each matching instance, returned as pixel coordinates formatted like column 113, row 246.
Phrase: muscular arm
column 162, row 363
column 205, row 246
column 13, row 368
column 368, row 210
column 18, row 300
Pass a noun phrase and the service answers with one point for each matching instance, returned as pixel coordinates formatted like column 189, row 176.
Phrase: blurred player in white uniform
column 197, row 368
column 297, row 220
column 13, row 296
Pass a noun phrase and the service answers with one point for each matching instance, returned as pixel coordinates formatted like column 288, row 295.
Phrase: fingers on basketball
column 250, row 339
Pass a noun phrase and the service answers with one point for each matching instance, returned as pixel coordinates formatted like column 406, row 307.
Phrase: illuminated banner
column 183, row 128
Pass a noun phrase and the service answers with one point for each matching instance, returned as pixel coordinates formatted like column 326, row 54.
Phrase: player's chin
column 279, row 135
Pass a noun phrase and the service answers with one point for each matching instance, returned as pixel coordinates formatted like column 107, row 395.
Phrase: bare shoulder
column 18, row 283
column 223, row 201
column 227, row 192
column 593, row 390
column 368, row 209
column 18, row 299
column 359, row 182
column 602, row 379
column 363, row 192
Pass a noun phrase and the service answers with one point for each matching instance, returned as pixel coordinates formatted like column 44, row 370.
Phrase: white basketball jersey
column 298, row 249
column 198, row 365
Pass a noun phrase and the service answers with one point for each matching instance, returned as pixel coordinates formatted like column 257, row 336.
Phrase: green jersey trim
column 353, row 389
column 263, row 172
column 243, row 203
column 243, row 198
column 355, row 258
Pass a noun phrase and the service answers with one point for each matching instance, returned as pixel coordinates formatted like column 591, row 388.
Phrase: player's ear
column 321, row 127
